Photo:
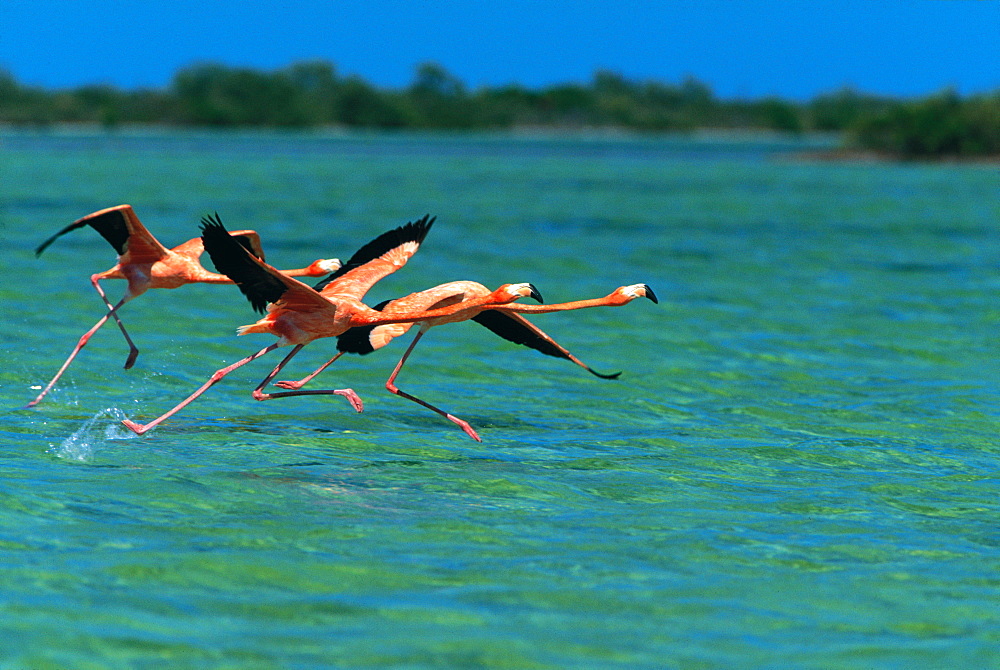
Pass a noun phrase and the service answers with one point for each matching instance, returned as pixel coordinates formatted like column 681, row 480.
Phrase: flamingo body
column 501, row 322
column 298, row 314
column 145, row 263
column 498, row 319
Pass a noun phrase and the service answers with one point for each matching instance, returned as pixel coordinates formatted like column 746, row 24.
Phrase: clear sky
column 747, row 48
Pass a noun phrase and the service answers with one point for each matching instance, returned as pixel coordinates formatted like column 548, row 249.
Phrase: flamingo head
column 512, row 292
column 638, row 291
column 324, row 266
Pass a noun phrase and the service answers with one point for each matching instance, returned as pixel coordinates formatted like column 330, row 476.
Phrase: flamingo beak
column 535, row 294
column 650, row 294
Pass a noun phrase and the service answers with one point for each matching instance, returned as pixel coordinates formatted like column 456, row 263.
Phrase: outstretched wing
column 122, row 229
column 250, row 241
column 258, row 281
column 379, row 258
column 515, row 328
column 195, row 247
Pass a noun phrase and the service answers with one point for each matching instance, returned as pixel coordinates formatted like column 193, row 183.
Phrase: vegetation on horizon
column 312, row 94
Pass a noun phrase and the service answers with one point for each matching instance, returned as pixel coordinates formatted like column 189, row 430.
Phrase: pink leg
column 295, row 386
column 133, row 351
column 351, row 396
column 79, row 345
column 392, row 388
column 139, row 428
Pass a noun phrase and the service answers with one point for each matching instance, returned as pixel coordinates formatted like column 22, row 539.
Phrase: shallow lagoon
column 796, row 468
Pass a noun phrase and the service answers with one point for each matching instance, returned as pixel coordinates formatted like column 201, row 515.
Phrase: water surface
column 795, row 469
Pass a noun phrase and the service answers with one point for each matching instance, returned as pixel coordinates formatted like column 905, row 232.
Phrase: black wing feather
column 514, row 331
column 232, row 258
column 356, row 340
column 111, row 225
column 244, row 242
column 414, row 231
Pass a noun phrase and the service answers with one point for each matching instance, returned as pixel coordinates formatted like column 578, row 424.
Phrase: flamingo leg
column 392, row 388
column 351, row 396
column 133, row 351
column 76, row 350
column 295, row 386
column 139, row 428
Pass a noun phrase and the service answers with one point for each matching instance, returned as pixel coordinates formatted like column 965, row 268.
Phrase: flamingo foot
column 136, row 428
column 352, row 398
column 132, row 355
column 464, row 425
column 292, row 386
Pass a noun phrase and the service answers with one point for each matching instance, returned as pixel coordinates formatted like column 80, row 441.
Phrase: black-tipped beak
column 650, row 294
column 535, row 294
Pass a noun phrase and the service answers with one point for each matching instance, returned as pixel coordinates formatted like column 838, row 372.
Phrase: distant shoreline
column 312, row 96
column 706, row 134
column 817, row 146
column 845, row 155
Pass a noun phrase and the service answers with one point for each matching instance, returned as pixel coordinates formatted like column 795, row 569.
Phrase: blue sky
column 741, row 48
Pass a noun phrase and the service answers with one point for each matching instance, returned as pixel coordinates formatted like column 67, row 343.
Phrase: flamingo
column 147, row 264
column 298, row 314
column 503, row 321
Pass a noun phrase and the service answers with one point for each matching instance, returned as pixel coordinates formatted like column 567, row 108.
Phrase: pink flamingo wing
column 122, row 229
column 379, row 258
column 141, row 247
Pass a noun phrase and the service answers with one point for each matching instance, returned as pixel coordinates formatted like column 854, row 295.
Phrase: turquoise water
column 796, row 469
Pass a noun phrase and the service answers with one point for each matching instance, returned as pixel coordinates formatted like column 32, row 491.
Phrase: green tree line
column 312, row 94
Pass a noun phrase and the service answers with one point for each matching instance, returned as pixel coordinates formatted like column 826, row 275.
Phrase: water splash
column 81, row 444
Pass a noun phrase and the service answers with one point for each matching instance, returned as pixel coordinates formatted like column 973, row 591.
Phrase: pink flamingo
column 502, row 320
column 146, row 264
column 298, row 314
